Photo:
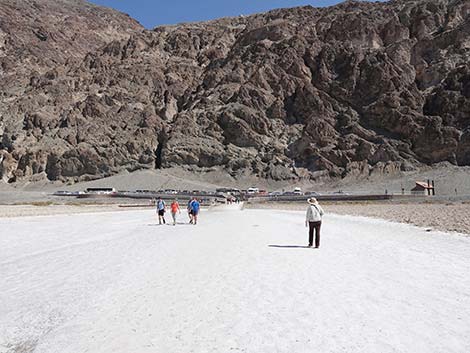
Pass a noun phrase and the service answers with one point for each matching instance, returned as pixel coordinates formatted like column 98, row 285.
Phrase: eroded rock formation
column 349, row 90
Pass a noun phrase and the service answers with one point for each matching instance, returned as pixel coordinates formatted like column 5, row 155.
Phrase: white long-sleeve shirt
column 314, row 213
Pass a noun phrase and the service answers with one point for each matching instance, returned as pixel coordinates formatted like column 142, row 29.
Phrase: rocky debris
column 346, row 91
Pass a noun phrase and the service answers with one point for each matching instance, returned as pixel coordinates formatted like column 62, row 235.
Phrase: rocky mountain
column 344, row 91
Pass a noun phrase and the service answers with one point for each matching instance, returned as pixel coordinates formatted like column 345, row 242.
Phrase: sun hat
column 312, row 201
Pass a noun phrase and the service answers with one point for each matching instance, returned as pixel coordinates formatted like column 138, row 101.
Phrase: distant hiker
column 160, row 204
column 190, row 210
column 313, row 221
column 175, row 207
column 195, row 206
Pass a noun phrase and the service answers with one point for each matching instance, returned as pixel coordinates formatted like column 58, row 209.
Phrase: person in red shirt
column 175, row 208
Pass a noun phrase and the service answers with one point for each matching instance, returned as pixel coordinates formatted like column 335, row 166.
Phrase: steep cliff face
column 349, row 90
column 38, row 35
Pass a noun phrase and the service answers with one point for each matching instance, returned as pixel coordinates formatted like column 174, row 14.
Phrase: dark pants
column 314, row 226
column 161, row 215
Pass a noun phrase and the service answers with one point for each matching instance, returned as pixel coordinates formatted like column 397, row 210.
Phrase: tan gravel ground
column 44, row 209
column 449, row 217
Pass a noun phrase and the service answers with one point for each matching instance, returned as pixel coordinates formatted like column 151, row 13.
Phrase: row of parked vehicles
column 296, row 192
column 252, row 191
column 230, row 191
column 175, row 192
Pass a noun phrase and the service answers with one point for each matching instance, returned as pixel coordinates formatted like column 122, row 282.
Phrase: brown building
column 423, row 188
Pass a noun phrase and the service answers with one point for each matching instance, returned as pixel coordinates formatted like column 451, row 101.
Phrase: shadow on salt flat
column 291, row 246
column 169, row 224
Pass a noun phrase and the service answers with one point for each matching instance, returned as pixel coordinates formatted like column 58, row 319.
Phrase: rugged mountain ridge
column 349, row 90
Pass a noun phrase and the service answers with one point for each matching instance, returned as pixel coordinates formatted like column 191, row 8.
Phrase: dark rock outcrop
column 350, row 90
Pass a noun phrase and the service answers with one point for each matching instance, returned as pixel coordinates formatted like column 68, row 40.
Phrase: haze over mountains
column 345, row 91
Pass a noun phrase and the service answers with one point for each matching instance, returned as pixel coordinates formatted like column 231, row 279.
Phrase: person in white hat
column 313, row 221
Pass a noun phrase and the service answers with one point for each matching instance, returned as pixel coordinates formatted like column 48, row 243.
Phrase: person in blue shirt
column 195, row 206
column 160, row 204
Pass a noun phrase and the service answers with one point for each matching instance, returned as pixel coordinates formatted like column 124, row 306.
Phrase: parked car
column 312, row 193
column 288, row 193
column 275, row 193
column 171, row 191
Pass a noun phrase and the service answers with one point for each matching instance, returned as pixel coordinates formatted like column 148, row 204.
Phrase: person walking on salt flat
column 160, row 204
column 175, row 207
column 313, row 221
column 195, row 206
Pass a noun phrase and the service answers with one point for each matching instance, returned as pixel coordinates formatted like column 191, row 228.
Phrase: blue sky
column 152, row 13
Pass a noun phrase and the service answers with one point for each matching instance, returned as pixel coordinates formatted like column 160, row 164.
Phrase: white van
column 298, row 191
column 252, row 191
